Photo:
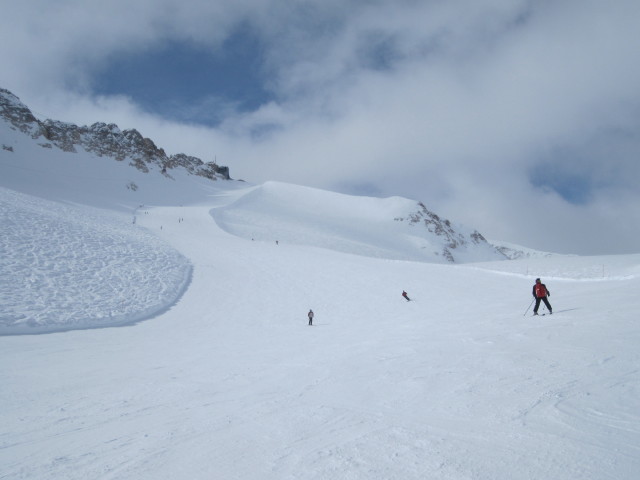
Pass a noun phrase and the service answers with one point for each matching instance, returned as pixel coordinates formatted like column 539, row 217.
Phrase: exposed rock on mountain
column 103, row 140
column 452, row 239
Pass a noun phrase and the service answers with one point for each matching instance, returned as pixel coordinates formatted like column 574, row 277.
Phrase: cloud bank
column 518, row 118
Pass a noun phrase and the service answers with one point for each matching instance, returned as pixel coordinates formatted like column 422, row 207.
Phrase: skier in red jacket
column 540, row 292
column 404, row 294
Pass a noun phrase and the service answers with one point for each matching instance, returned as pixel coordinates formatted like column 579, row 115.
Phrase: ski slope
column 211, row 372
column 228, row 381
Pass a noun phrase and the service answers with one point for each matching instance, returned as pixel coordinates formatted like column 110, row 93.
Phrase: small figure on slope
column 310, row 315
column 540, row 292
column 404, row 294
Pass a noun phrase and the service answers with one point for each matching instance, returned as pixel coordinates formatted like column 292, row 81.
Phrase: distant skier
column 404, row 294
column 540, row 292
column 310, row 315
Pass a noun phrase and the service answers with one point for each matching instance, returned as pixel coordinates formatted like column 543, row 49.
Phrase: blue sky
column 485, row 111
column 188, row 82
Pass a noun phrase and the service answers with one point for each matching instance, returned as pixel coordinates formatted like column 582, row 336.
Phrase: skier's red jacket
column 540, row 290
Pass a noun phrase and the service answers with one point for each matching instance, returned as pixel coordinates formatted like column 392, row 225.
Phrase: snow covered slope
column 393, row 228
column 36, row 167
column 515, row 252
column 226, row 380
column 231, row 383
column 72, row 266
column 66, row 264
column 100, row 269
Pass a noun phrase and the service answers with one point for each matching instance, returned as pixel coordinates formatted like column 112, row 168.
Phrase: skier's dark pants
column 546, row 302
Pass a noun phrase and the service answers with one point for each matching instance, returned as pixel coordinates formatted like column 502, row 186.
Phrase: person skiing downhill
column 540, row 292
column 404, row 294
column 310, row 315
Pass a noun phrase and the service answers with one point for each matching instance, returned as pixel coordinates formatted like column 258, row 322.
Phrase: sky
column 515, row 117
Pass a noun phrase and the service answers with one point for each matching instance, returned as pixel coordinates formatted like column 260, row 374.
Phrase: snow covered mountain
column 404, row 229
column 102, row 140
column 393, row 228
column 225, row 379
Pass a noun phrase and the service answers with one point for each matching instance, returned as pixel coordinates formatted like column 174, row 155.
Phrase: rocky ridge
column 103, row 140
column 442, row 228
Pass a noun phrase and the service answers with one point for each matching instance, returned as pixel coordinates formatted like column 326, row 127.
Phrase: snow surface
column 226, row 380
column 375, row 227
column 72, row 266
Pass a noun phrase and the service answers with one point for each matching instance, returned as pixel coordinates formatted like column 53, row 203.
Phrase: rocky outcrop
column 451, row 239
column 104, row 140
column 18, row 114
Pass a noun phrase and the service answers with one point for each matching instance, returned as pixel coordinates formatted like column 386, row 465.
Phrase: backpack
column 541, row 290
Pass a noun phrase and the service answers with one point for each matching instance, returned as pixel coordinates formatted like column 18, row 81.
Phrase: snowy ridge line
column 67, row 266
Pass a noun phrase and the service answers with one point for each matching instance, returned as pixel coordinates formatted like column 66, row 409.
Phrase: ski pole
column 528, row 307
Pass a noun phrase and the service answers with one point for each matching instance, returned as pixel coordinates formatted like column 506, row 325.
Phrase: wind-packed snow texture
column 69, row 266
column 227, row 381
